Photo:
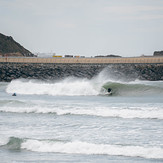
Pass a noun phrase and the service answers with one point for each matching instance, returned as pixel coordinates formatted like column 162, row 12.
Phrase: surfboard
column 108, row 93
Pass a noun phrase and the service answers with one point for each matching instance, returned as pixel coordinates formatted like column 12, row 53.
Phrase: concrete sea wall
column 144, row 68
column 103, row 60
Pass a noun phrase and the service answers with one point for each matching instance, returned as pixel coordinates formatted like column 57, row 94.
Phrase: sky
column 85, row 27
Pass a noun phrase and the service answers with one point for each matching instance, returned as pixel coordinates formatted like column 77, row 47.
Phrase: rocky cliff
column 9, row 47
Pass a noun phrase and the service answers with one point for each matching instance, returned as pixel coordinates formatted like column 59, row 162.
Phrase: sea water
column 74, row 120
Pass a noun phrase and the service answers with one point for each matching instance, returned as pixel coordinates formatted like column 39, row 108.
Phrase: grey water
column 73, row 120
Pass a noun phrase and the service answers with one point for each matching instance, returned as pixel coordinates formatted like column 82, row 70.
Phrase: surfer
column 109, row 90
column 14, row 94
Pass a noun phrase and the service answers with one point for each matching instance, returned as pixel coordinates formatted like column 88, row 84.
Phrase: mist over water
column 74, row 120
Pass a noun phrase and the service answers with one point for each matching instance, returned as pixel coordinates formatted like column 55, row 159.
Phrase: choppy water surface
column 73, row 120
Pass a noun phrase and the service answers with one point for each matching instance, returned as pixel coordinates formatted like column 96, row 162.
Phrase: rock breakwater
column 50, row 71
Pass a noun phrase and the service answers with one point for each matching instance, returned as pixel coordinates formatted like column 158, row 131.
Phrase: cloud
column 135, row 12
column 84, row 26
column 130, row 9
column 65, row 25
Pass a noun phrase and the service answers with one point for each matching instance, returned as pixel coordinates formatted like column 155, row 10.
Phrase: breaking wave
column 134, row 88
column 84, row 87
column 68, row 86
column 112, row 112
column 79, row 147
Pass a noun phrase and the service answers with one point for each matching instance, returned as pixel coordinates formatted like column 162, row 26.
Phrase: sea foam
column 78, row 147
column 68, row 86
column 146, row 113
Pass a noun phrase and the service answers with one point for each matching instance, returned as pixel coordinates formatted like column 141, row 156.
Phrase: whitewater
column 74, row 120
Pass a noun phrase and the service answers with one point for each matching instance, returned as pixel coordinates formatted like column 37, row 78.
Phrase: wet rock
column 10, row 71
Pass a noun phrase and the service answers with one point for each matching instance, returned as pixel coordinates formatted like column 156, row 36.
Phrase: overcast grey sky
column 85, row 27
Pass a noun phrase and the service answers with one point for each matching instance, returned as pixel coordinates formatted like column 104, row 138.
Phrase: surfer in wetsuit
column 109, row 90
column 14, row 94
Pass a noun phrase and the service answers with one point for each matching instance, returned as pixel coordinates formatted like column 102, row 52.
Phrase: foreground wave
column 79, row 147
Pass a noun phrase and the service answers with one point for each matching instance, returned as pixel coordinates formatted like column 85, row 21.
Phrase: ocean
column 74, row 120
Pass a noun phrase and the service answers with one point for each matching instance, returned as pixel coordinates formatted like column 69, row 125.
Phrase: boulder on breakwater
column 50, row 71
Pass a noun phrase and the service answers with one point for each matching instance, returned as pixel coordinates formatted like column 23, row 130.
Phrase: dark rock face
column 9, row 47
column 151, row 72
column 158, row 53
column 10, row 71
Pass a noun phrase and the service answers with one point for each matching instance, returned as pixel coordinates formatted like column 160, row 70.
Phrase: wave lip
column 78, row 147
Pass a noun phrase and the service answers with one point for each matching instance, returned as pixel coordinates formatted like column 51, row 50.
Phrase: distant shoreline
column 102, row 60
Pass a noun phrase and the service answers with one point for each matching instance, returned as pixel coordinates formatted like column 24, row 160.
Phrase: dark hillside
column 9, row 47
